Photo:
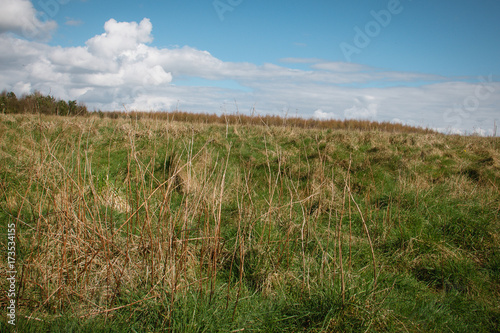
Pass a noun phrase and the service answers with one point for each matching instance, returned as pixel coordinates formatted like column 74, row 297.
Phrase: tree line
column 39, row 103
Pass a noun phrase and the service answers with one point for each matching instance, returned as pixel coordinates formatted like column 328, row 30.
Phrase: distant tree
column 11, row 96
column 81, row 109
column 62, row 108
column 39, row 103
column 8, row 102
column 3, row 101
column 72, row 107
column 44, row 104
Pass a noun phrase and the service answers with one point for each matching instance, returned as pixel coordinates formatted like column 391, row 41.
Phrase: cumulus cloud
column 121, row 67
column 114, row 63
column 21, row 18
column 363, row 108
column 120, row 37
column 321, row 115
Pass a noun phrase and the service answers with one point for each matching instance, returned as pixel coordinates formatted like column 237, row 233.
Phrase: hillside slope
column 145, row 225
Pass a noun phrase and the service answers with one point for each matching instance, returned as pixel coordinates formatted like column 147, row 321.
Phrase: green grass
column 128, row 225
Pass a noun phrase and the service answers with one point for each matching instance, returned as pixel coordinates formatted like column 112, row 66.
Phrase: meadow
column 133, row 223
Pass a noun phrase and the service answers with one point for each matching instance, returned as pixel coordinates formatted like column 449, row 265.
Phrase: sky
column 427, row 63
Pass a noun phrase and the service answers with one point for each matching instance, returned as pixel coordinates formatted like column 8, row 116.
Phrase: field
column 144, row 225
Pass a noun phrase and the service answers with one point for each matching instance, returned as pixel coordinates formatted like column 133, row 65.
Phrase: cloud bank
column 120, row 67
column 19, row 17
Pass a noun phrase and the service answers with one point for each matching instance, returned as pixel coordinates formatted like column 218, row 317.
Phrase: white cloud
column 121, row 67
column 19, row 17
column 120, row 37
column 321, row 115
column 342, row 67
column 359, row 111
column 115, row 62
column 362, row 109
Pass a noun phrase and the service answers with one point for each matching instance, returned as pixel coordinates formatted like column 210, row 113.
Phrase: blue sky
column 446, row 37
column 427, row 63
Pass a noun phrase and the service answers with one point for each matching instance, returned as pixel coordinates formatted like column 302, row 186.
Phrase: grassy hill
column 144, row 225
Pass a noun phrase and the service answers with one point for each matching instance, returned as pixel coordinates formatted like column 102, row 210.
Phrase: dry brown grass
column 155, row 231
